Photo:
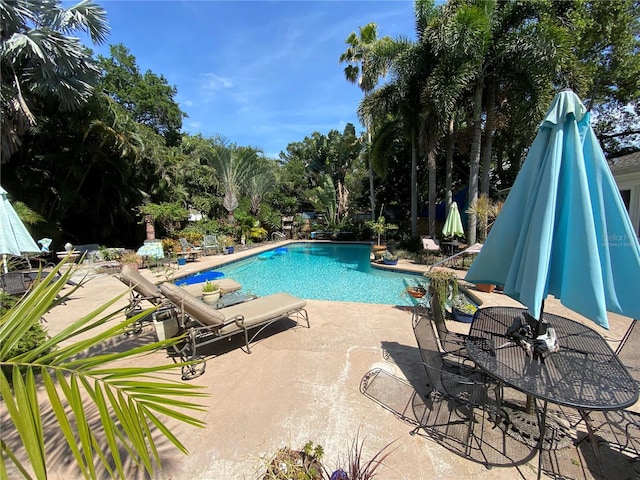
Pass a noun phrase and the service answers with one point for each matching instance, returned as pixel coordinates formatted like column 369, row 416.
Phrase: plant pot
column 229, row 250
column 417, row 292
column 166, row 325
column 211, row 298
column 389, row 262
column 461, row 316
column 182, row 261
column 133, row 266
column 485, row 287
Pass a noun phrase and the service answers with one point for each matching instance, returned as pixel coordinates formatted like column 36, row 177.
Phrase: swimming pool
column 323, row 271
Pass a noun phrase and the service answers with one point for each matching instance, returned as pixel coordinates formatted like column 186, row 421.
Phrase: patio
column 305, row 384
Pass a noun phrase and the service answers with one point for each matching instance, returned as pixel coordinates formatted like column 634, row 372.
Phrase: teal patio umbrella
column 453, row 224
column 564, row 229
column 15, row 239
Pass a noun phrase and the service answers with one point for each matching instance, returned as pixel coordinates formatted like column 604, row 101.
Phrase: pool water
column 337, row 272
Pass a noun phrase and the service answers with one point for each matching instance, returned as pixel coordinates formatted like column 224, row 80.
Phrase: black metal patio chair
column 467, row 388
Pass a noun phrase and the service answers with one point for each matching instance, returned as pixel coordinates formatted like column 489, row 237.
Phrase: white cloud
column 212, row 82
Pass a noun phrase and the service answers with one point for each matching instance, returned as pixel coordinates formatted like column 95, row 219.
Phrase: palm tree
column 513, row 43
column 127, row 403
column 39, row 60
column 234, row 167
column 363, row 71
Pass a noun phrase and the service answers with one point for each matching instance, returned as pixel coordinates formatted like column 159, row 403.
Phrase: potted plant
column 389, row 258
column 131, row 258
column 210, row 293
column 462, row 310
column 445, row 284
column 227, row 245
column 379, row 227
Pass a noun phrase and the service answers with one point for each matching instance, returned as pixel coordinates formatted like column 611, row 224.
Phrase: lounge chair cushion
column 191, row 305
column 131, row 276
column 262, row 309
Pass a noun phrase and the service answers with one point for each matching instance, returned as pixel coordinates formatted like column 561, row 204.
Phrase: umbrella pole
column 531, row 404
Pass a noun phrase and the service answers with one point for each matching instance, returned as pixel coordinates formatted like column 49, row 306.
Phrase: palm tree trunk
column 372, row 192
column 431, row 164
column 414, row 184
column 488, row 141
column 448, row 181
column 474, row 160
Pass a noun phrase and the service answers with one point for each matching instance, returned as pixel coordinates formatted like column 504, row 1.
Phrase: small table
column 449, row 248
column 233, row 299
column 584, row 374
column 73, row 255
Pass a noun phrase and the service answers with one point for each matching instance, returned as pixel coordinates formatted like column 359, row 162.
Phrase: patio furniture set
column 488, row 398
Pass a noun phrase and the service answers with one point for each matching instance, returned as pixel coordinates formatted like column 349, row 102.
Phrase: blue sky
column 259, row 73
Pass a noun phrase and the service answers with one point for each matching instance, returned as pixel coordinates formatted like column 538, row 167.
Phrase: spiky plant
column 62, row 378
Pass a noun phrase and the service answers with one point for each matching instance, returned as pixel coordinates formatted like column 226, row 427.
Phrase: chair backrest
column 437, row 314
column 428, row 345
column 131, row 276
column 430, row 244
column 185, row 244
column 13, row 283
column 192, row 306
column 629, row 350
column 210, row 241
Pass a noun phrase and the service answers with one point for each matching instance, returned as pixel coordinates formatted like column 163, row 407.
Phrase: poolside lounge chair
column 472, row 250
column 430, row 245
column 204, row 324
column 143, row 289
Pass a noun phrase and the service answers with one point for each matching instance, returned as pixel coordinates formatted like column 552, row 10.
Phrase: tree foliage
column 147, row 97
column 41, row 62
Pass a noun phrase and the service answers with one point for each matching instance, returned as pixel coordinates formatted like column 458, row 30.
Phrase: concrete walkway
column 303, row 384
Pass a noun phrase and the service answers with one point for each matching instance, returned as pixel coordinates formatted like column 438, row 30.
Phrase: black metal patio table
column 584, row 373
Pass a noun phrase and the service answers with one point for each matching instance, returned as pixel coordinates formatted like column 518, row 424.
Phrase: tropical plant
column 210, row 287
column 40, row 60
column 130, row 258
column 486, row 212
column 445, row 283
column 380, row 227
column 168, row 214
column 129, row 402
column 304, row 464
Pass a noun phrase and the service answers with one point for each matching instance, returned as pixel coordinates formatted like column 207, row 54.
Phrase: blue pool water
column 321, row 272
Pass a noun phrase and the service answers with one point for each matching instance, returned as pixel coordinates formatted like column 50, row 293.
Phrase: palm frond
column 130, row 401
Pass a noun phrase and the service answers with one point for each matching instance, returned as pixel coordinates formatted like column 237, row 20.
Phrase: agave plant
column 130, row 401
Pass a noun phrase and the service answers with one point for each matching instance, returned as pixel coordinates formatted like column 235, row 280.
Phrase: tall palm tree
column 513, row 43
column 361, row 69
column 40, row 60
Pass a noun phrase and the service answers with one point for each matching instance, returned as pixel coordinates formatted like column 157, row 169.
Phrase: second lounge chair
column 204, row 324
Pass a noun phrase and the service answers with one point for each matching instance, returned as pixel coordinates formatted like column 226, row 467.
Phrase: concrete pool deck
column 303, row 384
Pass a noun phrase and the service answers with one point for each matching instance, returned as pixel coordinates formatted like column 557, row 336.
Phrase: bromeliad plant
column 130, row 401
column 210, row 287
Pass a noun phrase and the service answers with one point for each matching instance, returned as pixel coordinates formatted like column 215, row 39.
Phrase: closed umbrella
column 14, row 236
column 453, row 223
column 564, row 229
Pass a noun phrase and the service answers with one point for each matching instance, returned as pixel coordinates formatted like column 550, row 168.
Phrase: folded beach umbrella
column 564, row 229
column 453, row 223
column 15, row 239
